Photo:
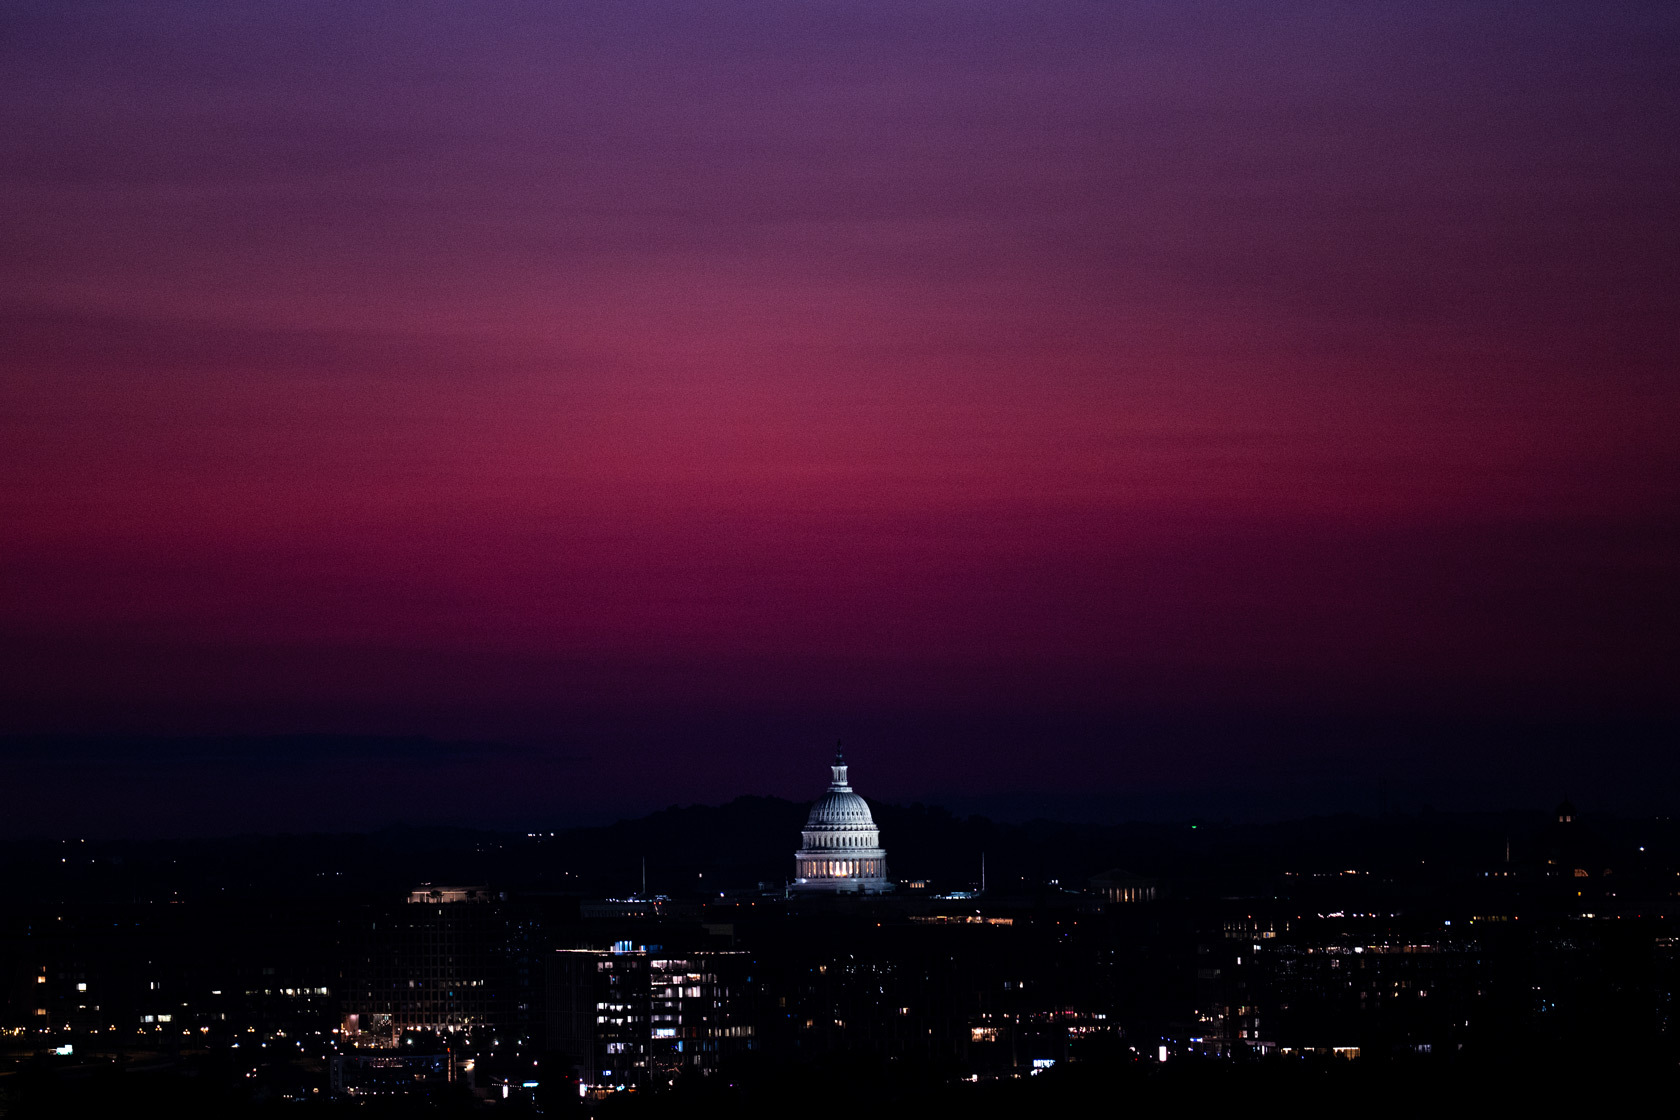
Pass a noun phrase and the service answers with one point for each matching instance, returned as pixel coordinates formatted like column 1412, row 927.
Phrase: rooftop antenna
column 982, row 872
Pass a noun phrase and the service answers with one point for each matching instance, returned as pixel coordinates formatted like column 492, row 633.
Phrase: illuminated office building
column 439, row 961
column 638, row 1017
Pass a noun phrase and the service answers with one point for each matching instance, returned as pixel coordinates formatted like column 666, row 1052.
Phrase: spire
column 838, row 770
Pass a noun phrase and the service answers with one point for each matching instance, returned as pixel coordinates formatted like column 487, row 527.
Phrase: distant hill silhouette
column 698, row 850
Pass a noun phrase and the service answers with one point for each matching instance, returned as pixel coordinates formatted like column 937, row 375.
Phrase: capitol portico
column 842, row 847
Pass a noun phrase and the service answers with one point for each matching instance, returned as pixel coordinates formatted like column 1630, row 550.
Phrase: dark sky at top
column 1088, row 407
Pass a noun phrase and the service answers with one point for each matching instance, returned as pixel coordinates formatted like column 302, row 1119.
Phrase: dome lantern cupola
column 838, row 769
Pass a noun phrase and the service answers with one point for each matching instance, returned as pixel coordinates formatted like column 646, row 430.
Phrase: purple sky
column 1079, row 406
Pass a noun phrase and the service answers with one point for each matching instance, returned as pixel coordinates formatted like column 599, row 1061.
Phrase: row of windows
column 1129, row 894
column 839, row 868
column 842, row 840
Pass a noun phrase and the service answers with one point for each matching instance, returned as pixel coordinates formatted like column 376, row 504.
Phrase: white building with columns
column 842, row 850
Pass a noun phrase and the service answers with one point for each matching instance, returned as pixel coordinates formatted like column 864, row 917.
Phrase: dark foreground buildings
column 1454, row 942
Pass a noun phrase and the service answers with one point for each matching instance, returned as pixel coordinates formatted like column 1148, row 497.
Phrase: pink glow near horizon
column 1127, row 346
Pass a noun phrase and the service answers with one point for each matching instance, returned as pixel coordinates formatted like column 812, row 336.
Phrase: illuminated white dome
column 842, row 850
column 839, row 810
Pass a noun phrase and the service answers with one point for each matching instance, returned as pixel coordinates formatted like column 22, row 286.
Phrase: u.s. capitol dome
column 842, row 850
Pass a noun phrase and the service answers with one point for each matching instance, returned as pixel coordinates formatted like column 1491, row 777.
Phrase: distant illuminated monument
column 842, row 852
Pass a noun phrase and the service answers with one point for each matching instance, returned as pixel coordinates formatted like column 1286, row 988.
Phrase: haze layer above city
column 521, row 414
